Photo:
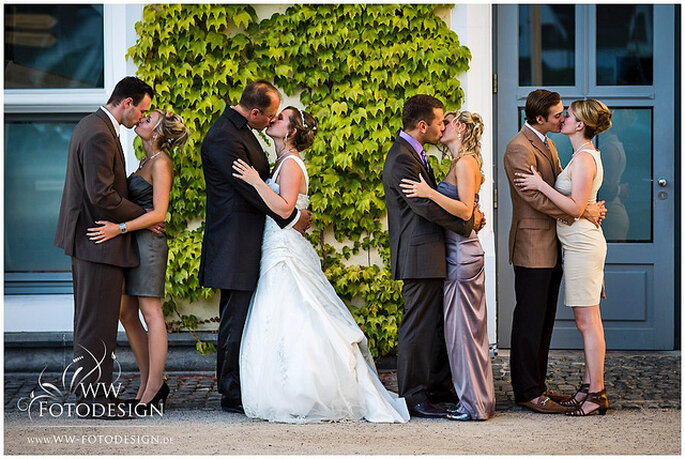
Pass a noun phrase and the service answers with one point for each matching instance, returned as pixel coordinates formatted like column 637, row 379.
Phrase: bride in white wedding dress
column 303, row 358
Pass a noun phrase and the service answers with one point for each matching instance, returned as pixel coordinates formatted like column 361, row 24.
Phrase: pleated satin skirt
column 466, row 326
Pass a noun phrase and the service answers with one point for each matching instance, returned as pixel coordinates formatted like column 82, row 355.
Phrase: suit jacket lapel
column 427, row 175
column 556, row 164
column 430, row 177
column 112, row 131
column 254, row 149
column 257, row 155
column 538, row 145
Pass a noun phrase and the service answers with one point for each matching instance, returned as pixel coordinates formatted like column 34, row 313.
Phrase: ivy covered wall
column 353, row 67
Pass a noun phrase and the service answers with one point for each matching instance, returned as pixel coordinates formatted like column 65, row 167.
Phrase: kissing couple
column 288, row 348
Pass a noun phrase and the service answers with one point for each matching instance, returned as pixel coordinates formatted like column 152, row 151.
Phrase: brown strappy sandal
column 598, row 398
column 572, row 401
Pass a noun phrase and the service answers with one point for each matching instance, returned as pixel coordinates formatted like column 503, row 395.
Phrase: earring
column 459, row 137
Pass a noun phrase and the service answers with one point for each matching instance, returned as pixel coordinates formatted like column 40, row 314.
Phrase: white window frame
column 82, row 100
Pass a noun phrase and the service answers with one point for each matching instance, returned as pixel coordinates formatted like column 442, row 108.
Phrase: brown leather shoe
column 557, row 396
column 544, row 404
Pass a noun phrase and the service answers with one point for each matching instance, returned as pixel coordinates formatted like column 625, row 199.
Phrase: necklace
column 146, row 159
column 580, row 147
column 283, row 153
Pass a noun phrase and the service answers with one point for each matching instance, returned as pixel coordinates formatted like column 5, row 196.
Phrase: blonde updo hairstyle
column 171, row 130
column 306, row 127
column 594, row 114
column 470, row 141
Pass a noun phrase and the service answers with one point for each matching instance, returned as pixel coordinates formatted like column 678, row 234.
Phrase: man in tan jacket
column 535, row 252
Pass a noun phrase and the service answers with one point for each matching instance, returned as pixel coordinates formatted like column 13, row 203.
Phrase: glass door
column 624, row 56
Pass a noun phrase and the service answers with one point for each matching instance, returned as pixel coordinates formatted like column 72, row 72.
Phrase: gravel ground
column 643, row 431
column 643, row 388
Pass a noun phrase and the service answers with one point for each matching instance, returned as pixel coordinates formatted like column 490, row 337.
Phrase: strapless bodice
column 140, row 191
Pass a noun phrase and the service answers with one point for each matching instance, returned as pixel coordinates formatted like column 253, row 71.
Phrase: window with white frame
column 60, row 49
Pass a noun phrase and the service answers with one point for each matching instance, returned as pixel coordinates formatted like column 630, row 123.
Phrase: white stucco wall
column 473, row 25
column 40, row 313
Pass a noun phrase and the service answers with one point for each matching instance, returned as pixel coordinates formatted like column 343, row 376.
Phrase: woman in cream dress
column 583, row 244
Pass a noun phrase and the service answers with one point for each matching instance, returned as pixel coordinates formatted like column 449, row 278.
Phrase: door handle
column 662, row 182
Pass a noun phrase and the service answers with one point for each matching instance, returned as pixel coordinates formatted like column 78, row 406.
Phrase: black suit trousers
column 422, row 363
column 537, row 292
column 97, row 299
column 233, row 307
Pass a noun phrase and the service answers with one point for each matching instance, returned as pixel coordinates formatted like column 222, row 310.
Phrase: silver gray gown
column 466, row 324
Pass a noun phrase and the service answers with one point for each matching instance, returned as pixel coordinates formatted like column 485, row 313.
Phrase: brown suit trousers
column 95, row 188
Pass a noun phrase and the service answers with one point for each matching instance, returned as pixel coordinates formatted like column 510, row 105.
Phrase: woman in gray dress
column 149, row 187
column 464, row 307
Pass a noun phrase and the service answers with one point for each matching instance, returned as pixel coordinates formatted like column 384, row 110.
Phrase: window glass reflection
column 35, row 165
column 625, row 44
column 54, row 46
column 547, row 35
column 626, row 151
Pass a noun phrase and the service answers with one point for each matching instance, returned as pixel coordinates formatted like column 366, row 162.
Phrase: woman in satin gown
column 465, row 312
column 149, row 187
column 582, row 243
column 303, row 358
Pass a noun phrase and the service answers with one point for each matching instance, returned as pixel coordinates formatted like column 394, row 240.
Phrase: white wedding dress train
column 303, row 358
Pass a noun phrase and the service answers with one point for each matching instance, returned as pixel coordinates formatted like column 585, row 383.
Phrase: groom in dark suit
column 234, row 224
column 95, row 188
column 417, row 249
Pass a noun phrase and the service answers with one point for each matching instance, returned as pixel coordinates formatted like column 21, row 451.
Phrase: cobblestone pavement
column 633, row 380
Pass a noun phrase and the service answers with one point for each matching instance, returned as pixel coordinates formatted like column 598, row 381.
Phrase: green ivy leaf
column 353, row 66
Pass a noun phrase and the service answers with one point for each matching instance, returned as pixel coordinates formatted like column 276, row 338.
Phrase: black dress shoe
column 427, row 410
column 231, row 405
column 233, row 408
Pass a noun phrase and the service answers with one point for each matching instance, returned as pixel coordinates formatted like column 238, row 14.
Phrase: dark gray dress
column 466, row 324
column 147, row 279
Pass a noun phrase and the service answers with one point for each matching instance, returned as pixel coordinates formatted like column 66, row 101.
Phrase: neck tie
column 424, row 160
column 546, row 143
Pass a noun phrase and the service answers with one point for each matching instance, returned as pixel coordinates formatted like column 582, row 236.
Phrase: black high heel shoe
column 158, row 399
column 455, row 415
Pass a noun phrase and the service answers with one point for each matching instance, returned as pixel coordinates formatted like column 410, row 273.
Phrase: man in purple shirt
column 417, row 250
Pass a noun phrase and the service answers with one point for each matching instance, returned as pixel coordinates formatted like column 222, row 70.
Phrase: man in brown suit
column 95, row 188
column 535, row 252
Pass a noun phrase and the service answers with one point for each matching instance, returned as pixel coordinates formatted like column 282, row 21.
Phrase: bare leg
column 589, row 323
column 157, row 345
column 137, row 338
